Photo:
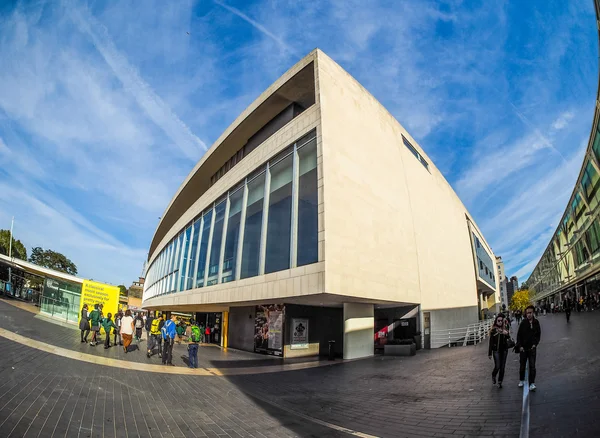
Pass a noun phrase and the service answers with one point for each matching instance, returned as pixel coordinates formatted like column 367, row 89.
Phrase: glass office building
column 570, row 265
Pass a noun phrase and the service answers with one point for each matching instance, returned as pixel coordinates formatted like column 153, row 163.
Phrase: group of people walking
column 501, row 342
column 161, row 332
column 124, row 327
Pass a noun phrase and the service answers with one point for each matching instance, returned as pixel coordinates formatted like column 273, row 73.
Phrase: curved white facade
column 317, row 196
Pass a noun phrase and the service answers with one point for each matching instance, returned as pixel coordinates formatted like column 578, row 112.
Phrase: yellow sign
column 93, row 293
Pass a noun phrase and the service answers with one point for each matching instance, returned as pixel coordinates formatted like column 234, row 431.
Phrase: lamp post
column 12, row 224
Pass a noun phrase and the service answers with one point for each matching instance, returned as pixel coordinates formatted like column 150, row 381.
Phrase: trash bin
column 331, row 350
column 418, row 342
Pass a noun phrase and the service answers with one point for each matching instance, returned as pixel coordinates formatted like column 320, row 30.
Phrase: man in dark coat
column 528, row 338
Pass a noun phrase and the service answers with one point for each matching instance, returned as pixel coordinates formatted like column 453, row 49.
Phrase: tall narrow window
column 215, row 248
column 175, row 260
column 280, row 217
column 308, row 205
column 203, row 249
column 184, row 258
column 254, row 214
column 192, row 262
column 233, row 232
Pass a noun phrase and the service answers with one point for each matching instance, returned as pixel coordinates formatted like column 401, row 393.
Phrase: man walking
column 148, row 326
column 168, row 334
column 567, row 308
column 194, row 339
column 528, row 338
column 154, row 337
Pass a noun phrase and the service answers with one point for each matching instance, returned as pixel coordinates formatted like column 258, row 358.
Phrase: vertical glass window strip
column 254, row 213
column 280, row 217
column 176, row 258
column 215, row 249
column 232, row 235
column 184, row 258
column 596, row 145
column 203, row 249
column 308, row 202
column 193, row 251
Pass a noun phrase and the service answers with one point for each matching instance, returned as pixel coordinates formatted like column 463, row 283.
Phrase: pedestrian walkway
column 445, row 392
column 212, row 360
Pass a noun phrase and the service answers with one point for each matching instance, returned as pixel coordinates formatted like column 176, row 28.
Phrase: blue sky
column 105, row 107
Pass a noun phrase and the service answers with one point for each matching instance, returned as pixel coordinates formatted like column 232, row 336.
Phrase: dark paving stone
column 567, row 402
column 444, row 392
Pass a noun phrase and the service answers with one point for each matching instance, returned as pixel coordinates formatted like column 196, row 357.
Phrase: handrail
column 474, row 334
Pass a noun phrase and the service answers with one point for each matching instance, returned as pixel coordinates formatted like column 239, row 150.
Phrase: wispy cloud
column 147, row 99
column 262, row 29
column 563, row 120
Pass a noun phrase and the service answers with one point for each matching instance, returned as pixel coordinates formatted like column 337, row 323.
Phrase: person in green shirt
column 108, row 324
column 180, row 331
column 95, row 317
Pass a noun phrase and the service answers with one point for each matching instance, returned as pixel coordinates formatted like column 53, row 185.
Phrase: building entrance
column 213, row 320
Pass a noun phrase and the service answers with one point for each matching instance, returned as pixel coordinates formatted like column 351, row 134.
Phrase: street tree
column 122, row 290
column 520, row 300
column 52, row 260
column 18, row 249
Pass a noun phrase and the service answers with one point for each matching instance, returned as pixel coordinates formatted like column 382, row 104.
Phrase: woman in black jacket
column 499, row 336
column 84, row 323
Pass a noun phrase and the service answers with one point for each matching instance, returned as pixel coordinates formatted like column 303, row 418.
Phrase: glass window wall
column 215, row 248
column 279, row 225
column 232, row 236
column 183, row 263
column 184, row 258
column 252, row 228
column 308, row 205
column 203, row 248
column 192, row 258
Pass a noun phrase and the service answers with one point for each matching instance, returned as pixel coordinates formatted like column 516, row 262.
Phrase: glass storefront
column 243, row 234
column 61, row 300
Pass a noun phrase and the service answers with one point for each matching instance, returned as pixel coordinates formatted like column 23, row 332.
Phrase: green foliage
column 18, row 249
column 122, row 290
column 520, row 300
column 52, row 260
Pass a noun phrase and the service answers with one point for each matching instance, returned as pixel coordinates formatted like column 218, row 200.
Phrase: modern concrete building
column 314, row 217
column 512, row 286
column 502, row 280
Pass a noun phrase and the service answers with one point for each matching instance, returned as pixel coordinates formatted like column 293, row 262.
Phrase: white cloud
column 563, row 120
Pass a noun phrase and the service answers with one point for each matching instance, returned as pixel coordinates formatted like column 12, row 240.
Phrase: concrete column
column 224, row 329
column 359, row 329
column 481, row 301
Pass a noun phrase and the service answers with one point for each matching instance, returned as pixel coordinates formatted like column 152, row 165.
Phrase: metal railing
column 472, row 334
column 59, row 309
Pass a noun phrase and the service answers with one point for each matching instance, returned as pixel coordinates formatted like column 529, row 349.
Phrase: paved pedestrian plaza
column 53, row 385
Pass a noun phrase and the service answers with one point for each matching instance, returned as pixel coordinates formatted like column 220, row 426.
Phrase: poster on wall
column 299, row 334
column 93, row 293
column 268, row 329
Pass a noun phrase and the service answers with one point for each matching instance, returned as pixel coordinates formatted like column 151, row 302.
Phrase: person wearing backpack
column 108, row 324
column 95, row 321
column 154, row 336
column 168, row 334
column 194, row 339
column 139, row 326
column 148, row 325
